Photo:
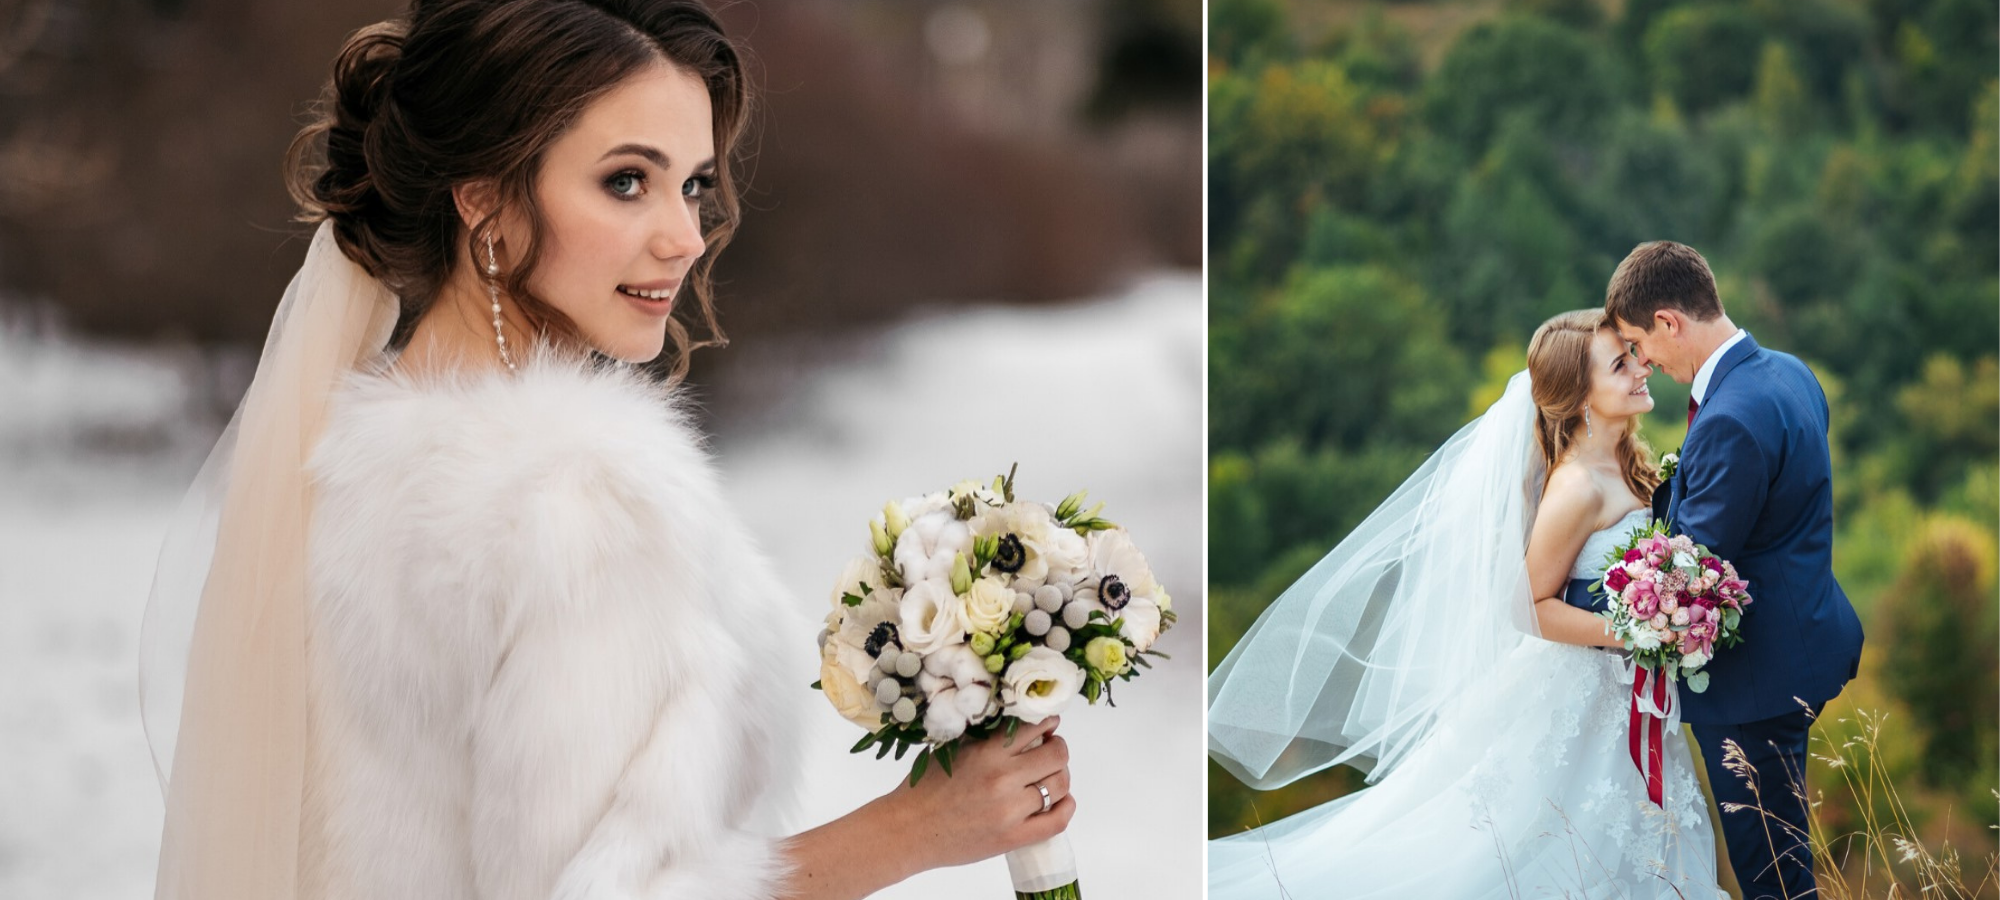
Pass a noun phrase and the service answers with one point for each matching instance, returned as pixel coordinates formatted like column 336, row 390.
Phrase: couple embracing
column 1448, row 646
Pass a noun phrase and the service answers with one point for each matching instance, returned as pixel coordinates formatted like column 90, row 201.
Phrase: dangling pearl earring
column 1586, row 410
column 493, row 293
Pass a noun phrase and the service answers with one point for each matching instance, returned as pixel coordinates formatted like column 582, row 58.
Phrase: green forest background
column 1401, row 192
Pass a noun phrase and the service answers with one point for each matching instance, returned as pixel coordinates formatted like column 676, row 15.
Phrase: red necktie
column 1692, row 406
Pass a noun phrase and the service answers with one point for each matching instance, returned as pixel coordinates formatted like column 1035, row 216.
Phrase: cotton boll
column 944, row 719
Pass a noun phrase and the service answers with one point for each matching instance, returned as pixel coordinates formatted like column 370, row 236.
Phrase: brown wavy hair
column 476, row 91
column 1559, row 368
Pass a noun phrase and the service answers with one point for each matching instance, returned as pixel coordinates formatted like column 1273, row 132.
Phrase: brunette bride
column 456, row 608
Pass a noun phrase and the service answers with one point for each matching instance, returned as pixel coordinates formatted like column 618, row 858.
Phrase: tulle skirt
column 1526, row 789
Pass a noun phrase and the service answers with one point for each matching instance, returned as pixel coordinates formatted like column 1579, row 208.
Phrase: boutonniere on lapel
column 1668, row 463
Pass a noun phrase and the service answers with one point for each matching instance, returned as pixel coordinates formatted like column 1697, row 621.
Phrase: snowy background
column 814, row 434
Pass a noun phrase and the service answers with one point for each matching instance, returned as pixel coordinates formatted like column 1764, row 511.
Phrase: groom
column 1755, row 485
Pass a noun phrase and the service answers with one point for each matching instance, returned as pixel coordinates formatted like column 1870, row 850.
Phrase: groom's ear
column 1669, row 319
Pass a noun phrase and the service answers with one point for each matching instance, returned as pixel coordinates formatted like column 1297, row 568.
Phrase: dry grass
column 1882, row 856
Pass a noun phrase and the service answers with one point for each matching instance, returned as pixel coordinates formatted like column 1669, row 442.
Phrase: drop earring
column 493, row 293
column 1586, row 410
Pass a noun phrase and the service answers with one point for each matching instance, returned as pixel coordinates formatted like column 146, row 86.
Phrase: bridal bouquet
column 973, row 612
column 1673, row 603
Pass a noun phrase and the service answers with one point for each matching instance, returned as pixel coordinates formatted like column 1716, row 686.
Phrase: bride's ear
column 475, row 201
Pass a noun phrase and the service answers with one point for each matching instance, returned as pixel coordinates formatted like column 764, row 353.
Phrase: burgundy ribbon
column 1646, row 736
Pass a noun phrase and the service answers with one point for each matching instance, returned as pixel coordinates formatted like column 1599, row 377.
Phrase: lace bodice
column 1590, row 560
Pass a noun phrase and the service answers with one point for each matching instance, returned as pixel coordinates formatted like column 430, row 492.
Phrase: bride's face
column 621, row 194
column 1617, row 380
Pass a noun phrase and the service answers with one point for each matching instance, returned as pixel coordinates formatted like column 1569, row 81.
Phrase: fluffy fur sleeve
column 615, row 668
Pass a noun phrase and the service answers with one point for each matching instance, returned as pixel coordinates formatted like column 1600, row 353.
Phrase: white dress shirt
column 1707, row 370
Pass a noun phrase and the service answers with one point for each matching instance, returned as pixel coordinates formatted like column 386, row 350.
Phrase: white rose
column 1694, row 661
column 1039, row 685
column 1645, row 639
column 852, row 699
column 931, row 617
column 1142, row 623
column 1683, row 561
column 928, row 546
column 988, row 606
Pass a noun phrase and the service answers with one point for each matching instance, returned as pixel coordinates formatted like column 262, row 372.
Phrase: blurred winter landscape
column 814, row 433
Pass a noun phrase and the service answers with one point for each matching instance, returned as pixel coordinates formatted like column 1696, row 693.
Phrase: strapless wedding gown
column 1525, row 789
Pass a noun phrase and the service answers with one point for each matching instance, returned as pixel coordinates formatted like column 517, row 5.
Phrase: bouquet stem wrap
column 1655, row 711
column 1044, row 871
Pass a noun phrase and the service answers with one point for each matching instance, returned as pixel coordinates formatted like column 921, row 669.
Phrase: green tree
column 1339, row 357
column 1703, row 55
column 1242, row 32
column 1555, row 77
column 1783, row 108
column 1939, row 656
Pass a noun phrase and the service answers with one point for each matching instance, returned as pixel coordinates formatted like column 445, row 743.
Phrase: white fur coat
column 545, row 659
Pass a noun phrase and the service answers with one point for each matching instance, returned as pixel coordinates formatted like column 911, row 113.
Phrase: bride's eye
column 626, row 185
column 695, row 187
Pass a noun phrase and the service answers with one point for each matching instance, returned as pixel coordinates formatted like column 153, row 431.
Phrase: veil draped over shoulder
column 1353, row 662
column 222, row 651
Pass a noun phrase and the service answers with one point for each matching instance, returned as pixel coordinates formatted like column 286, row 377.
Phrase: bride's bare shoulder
column 1571, row 497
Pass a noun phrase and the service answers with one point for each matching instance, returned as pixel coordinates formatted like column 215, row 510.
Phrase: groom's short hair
column 1661, row 275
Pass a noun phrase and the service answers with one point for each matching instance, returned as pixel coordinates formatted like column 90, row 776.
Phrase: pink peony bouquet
column 1673, row 603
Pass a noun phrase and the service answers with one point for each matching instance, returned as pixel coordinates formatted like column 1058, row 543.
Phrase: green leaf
column 850, row 599
column 815, row 685
column 902, row 747
column 944, row 758
column 862, row 744
column 1698, row 682
column 884, row 749
column 1012, row 723
column 917, row 769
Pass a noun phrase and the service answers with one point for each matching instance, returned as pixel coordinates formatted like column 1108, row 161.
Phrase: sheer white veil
column 1354, row 661
column 222, row 648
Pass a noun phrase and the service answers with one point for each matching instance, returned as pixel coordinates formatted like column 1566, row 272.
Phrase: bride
column 1432, row 650
column 457, row 607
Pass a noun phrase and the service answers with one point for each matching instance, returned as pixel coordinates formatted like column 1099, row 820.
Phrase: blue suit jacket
column 1755, row 485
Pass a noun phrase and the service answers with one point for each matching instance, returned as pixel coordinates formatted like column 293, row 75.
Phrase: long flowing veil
column 1354, row 661
column 222, row 648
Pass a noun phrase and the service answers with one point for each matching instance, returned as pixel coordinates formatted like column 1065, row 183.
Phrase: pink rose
column 1669, row 605
column 1659, row 622
column 1680, row 616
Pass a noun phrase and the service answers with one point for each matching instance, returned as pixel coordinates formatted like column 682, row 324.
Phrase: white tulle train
column 1525, row 790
